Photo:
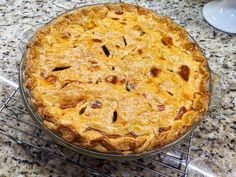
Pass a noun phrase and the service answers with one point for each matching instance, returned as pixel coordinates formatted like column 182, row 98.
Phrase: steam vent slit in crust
column 116, row 78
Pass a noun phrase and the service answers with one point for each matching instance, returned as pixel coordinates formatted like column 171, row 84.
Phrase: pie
column 116, row 78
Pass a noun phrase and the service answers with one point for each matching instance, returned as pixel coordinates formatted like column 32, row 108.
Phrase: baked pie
column 116, row 78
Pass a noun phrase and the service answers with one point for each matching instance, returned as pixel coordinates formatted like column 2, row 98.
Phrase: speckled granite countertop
column 213, row 151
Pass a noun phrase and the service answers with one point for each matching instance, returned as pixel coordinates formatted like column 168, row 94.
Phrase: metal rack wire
column 16, row 124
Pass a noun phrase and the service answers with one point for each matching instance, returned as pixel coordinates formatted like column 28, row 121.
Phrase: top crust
column 116, row 78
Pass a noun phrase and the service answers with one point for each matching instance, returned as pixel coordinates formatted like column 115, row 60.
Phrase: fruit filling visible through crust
column 116, row 78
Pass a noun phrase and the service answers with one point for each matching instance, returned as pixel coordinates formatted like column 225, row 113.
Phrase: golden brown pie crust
column 116, row 78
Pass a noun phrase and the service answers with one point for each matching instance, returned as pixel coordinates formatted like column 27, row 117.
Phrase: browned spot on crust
column 43, row 74
column 181, row 112
column 67, row 133
column 119, row 12
column 96, row 140
column 111, row 79
column 94, row 67
column 123, row 23
column 163, row 129
column 72, row 103
column 114, row 135
column 184, row 72
column 96, row 40
column 139, row 29
column 115, row 18
column 91, row 25
column 47, row 116
column 93, row 62
column 140, row 51
column 190, row 46
column 68, row 105
column 96, row 104
column 94, row 129
column 166, row 40
column 128, row 144
column 161, row 107
column 162, row 58
column 154, row 71
column 132, row 134
column 122, row 80
column 67, row 82
column 65, row 36
column 52, row 79
column 142, row 11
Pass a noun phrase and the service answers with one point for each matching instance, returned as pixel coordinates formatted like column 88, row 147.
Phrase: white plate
column 221, row 14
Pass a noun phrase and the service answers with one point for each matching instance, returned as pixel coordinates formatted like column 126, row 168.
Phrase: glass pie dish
column 54, row 135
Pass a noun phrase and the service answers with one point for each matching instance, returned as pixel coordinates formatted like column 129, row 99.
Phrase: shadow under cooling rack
column 17, row 125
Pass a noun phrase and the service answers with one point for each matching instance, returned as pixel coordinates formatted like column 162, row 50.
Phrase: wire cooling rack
column 16, row 124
